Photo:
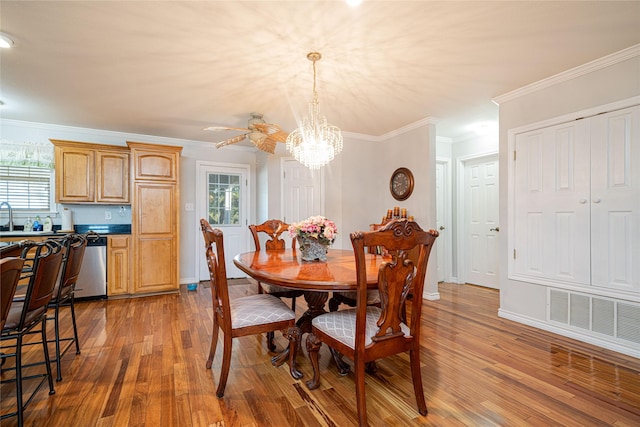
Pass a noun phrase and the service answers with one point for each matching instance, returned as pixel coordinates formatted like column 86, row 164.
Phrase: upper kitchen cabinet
column 91, row 173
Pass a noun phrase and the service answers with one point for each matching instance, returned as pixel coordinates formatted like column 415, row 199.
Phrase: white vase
column 312, row 250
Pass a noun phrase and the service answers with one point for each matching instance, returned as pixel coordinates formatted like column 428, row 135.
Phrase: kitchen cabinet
column 118, row 264
column 155, row 217
column 91, row 173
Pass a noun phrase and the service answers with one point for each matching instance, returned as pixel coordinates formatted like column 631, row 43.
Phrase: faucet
column 10, row 214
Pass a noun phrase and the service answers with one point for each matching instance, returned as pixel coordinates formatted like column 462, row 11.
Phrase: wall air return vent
column 596, row 315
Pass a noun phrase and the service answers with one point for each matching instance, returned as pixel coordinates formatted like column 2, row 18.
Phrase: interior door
column 302, row 191
column 481, row 221
column 223, row 201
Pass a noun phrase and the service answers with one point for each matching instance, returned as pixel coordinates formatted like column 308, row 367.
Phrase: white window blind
column 26, row 187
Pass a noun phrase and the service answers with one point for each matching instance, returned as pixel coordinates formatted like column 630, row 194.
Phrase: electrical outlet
column 188, row 207
column 107, row 214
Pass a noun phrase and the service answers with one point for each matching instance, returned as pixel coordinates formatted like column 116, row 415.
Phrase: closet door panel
column 615, row 199
column 551, row 208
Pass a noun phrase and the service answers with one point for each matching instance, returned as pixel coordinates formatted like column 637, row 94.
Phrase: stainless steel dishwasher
column 92, row 281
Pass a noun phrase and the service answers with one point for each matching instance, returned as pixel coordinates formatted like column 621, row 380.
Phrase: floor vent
column 603, row 316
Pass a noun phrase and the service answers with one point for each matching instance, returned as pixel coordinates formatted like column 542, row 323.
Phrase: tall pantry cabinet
column 155, row 217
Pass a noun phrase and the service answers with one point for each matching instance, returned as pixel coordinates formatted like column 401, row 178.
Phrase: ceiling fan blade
column 268, row 128
column 279, row 136
column 267, row 144
column 226, row 128
column 230, row 141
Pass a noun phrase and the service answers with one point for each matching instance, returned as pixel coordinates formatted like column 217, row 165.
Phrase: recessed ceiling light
column 5, row 41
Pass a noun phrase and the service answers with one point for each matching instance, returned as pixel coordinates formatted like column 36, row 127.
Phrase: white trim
column 432, row 296
column 404, row 129
column 590, row 339
column 589, row 67
column 461, row 226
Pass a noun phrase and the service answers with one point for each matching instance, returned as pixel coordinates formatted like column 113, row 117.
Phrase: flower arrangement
column 317, row 227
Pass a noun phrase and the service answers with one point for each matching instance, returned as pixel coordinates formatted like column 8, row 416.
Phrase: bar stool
column 43, row 261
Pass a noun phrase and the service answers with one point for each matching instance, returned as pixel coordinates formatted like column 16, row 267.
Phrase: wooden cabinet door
column 154, row 224
column 118, row 265
column 112, row 172
column 156, row 166
column 74, row 175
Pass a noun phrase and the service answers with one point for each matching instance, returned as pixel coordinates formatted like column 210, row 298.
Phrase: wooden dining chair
column 250, row 315
column 11, row 269
column 272, row 230
column 74, row 247
column 367, row 333
column 25, row 314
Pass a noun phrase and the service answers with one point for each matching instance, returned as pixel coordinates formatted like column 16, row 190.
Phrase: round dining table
column 285, row 267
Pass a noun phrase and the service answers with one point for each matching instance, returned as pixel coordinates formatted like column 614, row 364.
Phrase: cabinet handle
column 495, row 229
column 596, row 200
column 442, row 227
column 583, row 201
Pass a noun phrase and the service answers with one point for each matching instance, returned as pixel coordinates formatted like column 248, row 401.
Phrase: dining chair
column 25, row 314
column 74, row 247
column 367, row 333
column 249, row 315
column 273, row 229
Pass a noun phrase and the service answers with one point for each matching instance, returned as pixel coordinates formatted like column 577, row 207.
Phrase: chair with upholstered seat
column 44, row 259
column 11, row 268
column 250, row 315
column 74, row 247
column 272, row 230
column 367, row 333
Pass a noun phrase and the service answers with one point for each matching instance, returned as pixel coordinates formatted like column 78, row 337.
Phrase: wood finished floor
column 143, row 364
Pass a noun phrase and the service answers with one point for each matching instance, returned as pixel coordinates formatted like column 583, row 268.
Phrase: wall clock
column 401, row 184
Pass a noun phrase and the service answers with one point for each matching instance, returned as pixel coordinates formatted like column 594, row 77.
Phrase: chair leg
column 75, row 328
column 47, row 360
column 416, row 376
column 334, row 303
column 313, row 348
column 271, row 346
column 226, row 364
column 214, row 343
column 361, row 399
column 19, row 380
column 56, row 318
column 293, row 304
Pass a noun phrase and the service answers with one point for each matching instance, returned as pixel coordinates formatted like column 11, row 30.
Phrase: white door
column 481, row 221
column 551, row 181
column 443, row 220
column 615, row 199
column 223, row 200
column 302, row 191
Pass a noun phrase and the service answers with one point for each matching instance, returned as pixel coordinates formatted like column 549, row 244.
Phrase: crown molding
column 606, row 61
column 404, row 129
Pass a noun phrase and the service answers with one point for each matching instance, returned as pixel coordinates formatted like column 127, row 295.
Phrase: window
column 224, row 199
column 26, row 187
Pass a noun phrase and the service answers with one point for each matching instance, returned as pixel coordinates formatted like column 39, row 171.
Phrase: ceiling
column 172, row 68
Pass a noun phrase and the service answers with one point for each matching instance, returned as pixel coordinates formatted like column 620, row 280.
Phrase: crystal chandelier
column 315, row 143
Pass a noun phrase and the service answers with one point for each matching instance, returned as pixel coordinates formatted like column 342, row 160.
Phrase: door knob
column 495, row 229
column 442, row 227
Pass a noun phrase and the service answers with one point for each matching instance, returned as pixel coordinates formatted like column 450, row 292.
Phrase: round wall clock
column 401, row 184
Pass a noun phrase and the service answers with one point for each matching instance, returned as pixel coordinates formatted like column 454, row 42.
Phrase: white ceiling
column 172, row 68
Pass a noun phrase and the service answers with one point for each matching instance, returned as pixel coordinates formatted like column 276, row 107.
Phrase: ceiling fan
column 263, row 135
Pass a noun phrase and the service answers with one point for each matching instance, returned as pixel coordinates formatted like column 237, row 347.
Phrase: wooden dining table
column 285, row 267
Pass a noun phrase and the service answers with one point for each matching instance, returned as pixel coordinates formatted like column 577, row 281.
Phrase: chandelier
column 315, row 143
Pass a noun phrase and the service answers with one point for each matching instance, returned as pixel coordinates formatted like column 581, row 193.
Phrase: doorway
column 302, row 191
column 223, row 199
column 478, row 221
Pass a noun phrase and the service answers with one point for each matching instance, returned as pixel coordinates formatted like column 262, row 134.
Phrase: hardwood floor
column 143, row 364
